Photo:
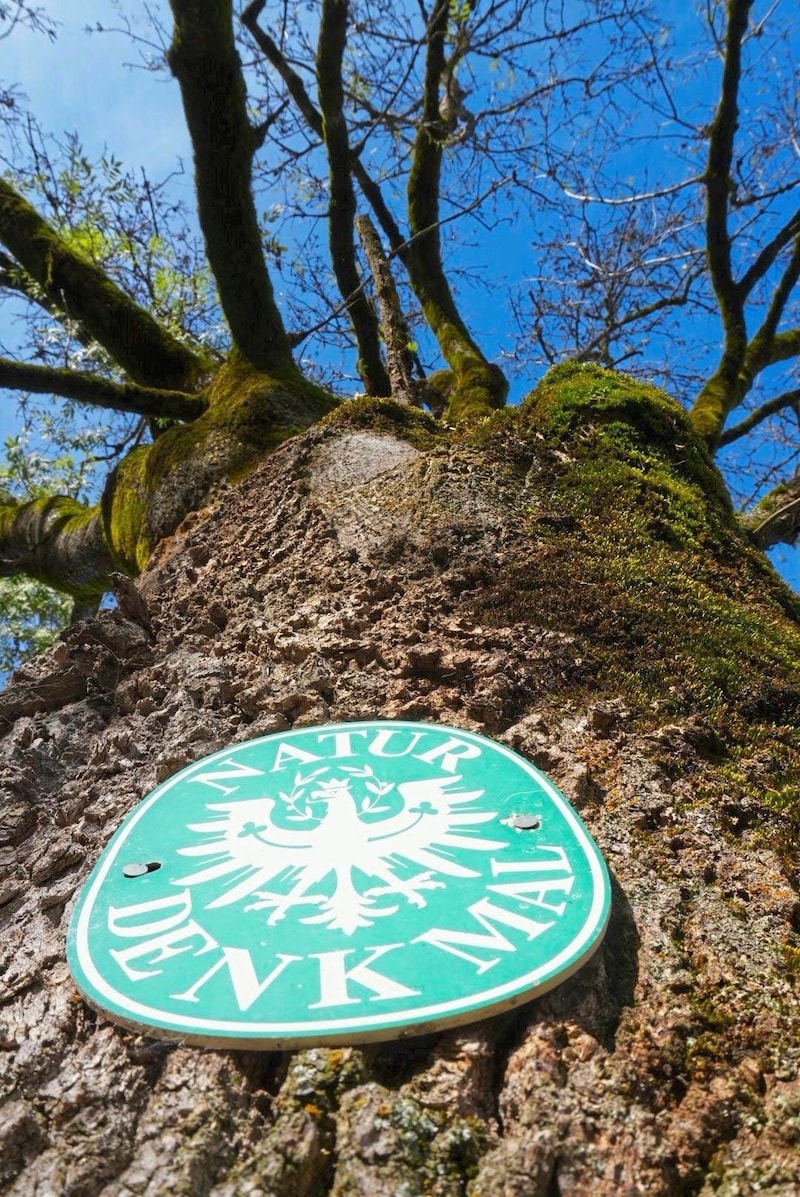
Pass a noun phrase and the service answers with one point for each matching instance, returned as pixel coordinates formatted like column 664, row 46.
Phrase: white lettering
column 334, row 975
column 560, row 865
column 116, row 915
column 381, row 742
column 451, row 751
column 341, row 741
column 161, row 947
column 233, row 770
column 493, row 940
column 532, row 892
column 246, row 986
column 289, row 754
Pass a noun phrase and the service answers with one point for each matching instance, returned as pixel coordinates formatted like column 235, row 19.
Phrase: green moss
column 575, row 399
column 58, row 541
column 125, row 506
column 249, row 414
column 636, row 553
column 384, row 415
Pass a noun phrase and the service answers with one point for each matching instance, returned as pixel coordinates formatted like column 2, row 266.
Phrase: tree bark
column 569, row 580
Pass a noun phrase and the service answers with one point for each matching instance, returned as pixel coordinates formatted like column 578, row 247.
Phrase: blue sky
column 92, row 84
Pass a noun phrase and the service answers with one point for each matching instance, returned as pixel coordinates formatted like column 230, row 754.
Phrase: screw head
column 138, row 869
column 526, row 822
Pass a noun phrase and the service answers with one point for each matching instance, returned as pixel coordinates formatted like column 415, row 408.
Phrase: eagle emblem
column 341, row 849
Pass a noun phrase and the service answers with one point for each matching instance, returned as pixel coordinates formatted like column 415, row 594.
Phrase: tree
column 569, row 576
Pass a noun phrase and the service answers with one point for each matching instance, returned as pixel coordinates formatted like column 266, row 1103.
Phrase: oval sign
column 339, row 884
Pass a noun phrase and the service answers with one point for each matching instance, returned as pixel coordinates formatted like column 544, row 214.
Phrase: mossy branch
column 80, row 291
column 204, row 61
column 342, row 207
column 769, row 254
column 759, row 351
column 479, row 386
column 58, row 541
column 785, row 346
column 99, row 392
column 765, row 348
column 779, row 403
column 721, row 393
column 776, row 518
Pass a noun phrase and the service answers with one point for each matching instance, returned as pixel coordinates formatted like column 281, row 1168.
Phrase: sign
column 338, row 884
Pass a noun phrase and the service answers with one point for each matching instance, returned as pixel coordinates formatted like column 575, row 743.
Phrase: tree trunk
column 568, row 579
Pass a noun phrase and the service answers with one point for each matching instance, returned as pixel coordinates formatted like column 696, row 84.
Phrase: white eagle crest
column 325, row 839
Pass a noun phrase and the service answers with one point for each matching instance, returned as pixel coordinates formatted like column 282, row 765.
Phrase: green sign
column 339, row 884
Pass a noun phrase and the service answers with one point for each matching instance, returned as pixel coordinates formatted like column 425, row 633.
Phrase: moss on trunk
column 156, row 486
column 636, row 551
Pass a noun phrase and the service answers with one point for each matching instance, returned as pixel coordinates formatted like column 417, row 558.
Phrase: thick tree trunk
column 570, row 581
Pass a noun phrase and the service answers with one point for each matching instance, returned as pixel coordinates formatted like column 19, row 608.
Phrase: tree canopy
column 354, row 166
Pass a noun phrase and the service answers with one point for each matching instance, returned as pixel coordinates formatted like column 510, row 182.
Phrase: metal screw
column 526, row 822
column 137, row 869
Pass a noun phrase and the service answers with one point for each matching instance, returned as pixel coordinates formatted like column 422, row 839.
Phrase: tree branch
column 759, row 351
column 768, row 254
column 100, row 392
column 76, row 289
column 776, row 518
column 787, row 399
column 58, row 541
column 479, row 385
column 395, row 329
column 313, row 118
column 785, row 345
column 204, row 61
column 721, row 393
column 342, row 207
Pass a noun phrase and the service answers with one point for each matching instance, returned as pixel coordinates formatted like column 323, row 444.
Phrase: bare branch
column 768, row 255
column 622, row 201
column 779, row 403
column 395, row 330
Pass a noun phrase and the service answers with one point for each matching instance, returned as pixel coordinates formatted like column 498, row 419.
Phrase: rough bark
column 239, row 418
column 570, row 580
